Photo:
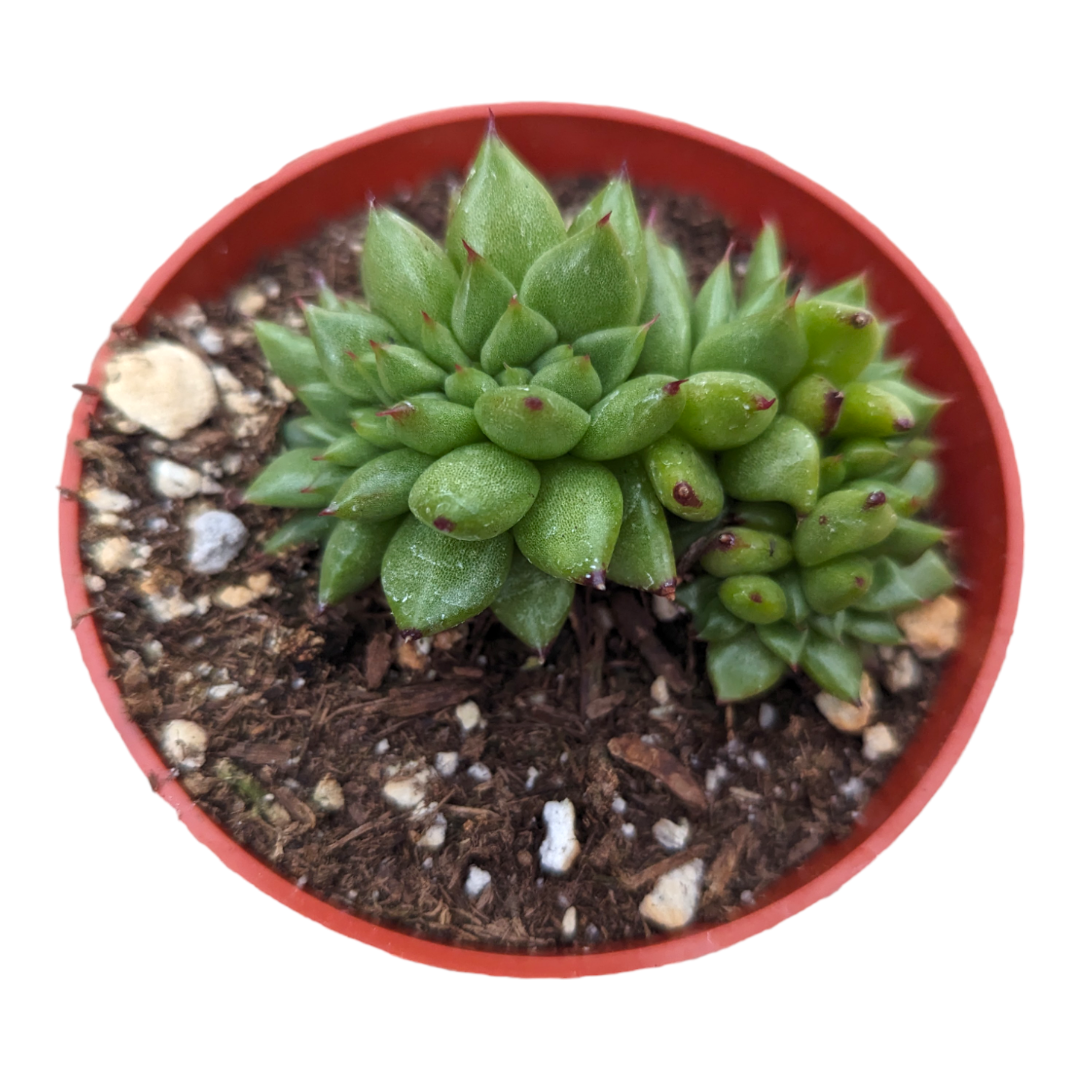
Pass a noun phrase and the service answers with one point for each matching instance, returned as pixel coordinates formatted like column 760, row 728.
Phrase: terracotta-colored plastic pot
column 981, row 493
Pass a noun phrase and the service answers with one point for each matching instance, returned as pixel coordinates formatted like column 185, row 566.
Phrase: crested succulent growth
column 534, row 407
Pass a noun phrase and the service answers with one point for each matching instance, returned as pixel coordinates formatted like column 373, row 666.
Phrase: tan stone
column 933, row 629
column 844, row 716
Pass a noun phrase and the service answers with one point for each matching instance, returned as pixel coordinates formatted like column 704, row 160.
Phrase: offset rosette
column 534, row 406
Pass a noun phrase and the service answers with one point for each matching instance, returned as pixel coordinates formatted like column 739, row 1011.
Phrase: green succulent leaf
column 296, row 480
column 475, row 492
column 433, row 582
column 742, row 668
column 780, row 465
column 405, row 273
column 504, row 211
column 667, row 299
column 643, row 557
column 571, row 529
column 533, row 605
column 352, row 558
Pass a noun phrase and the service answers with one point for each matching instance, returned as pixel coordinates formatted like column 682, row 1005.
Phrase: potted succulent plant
column 531, row 410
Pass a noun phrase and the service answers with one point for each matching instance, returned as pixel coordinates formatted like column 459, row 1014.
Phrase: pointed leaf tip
column 472, row 253
column 875, row 498
column 330, row 511
column 604, row 220
column 667, row 589
column 672, row 388
column 426, row 317
column 492, row 131
column 444, row 524
column 654, row 213
column 764, row 402
column 596, row 579
column 652, row 322
column 403, row 408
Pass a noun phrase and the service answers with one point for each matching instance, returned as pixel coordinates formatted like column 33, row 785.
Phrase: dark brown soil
column 289, row 696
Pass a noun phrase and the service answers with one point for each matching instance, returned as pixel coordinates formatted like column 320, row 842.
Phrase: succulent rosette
column 536, row 406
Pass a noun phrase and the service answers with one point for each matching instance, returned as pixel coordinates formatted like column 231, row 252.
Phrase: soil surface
column 289, row 696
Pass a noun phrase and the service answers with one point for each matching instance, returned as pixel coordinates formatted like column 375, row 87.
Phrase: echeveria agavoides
column 528, row 407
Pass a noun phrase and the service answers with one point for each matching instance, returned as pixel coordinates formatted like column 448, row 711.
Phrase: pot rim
column 618, row 956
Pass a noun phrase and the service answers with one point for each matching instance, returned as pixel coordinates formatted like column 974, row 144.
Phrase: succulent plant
column 534, row 407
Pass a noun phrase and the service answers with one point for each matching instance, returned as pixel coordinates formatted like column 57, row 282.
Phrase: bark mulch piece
column 289, row 695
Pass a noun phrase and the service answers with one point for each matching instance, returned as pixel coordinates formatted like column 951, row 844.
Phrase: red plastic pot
column 981, row 493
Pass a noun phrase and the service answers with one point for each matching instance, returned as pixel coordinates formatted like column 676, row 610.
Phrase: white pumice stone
column 171, row 480
column 669, row 836
column 446, row 763
column 469, row 716
column 434, row 836
column 183, row 742
column 117, row 553
column 328, row 796
column 210, row 340
column 222, row 691
column 216, row 538
column 879, row 741
column 560, row 846
column 618, row 805
column 628, row 829
column 844, row 716
column 902, row 672
column 406, row 792
column 103, row 500
column 675, row 896
column 165, row 608
column 569, row 924
column 531, row 777
column 933, row 629
column 659, row 691
column 476, row 882
column 479, row 772
column 714, row 777
column 161, row 386
column 382, row 746
column 767, row 716
column 248, row 300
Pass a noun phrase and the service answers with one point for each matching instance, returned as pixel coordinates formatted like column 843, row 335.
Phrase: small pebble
column 382, row 746
column 767, row 716
column 479, row 772
column 669, row 836
column 628, row 829
column 161, row 386
column 659, row 691
column 674, row 898
column 298, row 682
column 217, row 537
column 902, row 672
column 118, row 553
column 531, row 777
column 477, row 881
column 446, row 763
column 171, row 480
column 248, row 300
column 183, row 742
column 165, row 608
column 406, row 792
column 879, row 741
column 842, row 714
column 102, row 500
column 618, row 805
column 210, row 340
column 234, row 597
column 190, row 317
column 746, row 896
column 222, row 691
column 328, row 796
column 434, row 836
column 560, row 846
column 469, row 716
column 569, row 924
column 853, row 789
column 759, row 760
column 714, row 777
column 933, row 629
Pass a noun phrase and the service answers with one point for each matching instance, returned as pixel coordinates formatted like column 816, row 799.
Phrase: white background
column 128, row 949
